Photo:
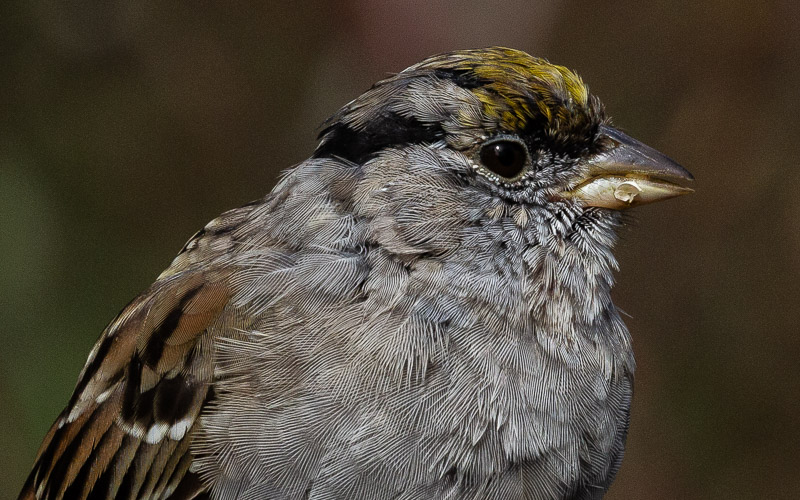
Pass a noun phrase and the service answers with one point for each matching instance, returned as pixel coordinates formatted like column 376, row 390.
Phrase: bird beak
column 628, row 174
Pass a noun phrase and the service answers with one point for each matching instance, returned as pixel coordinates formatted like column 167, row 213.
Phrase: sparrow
column 420, row 310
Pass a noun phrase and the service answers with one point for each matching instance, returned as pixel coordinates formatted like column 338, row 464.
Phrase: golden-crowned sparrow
column 421, row 310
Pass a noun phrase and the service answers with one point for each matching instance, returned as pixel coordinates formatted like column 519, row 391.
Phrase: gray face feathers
column 421, row 310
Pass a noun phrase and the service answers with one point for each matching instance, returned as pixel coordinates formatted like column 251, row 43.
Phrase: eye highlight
column 504, row 157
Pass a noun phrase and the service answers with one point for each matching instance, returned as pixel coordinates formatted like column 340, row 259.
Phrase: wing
column 127, row 430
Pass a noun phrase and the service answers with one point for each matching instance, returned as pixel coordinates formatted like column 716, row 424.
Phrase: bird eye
column 504, row 157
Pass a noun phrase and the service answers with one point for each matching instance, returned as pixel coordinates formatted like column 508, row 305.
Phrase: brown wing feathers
column 127, row 428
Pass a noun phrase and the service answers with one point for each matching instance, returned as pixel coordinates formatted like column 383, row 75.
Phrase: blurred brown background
column 125, row 126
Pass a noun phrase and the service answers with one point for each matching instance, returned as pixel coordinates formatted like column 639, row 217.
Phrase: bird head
column 487, row 133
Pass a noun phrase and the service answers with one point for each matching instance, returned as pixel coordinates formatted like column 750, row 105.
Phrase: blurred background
column 126, row 126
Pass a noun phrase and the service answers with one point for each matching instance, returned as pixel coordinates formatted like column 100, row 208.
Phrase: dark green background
column 125, row 126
